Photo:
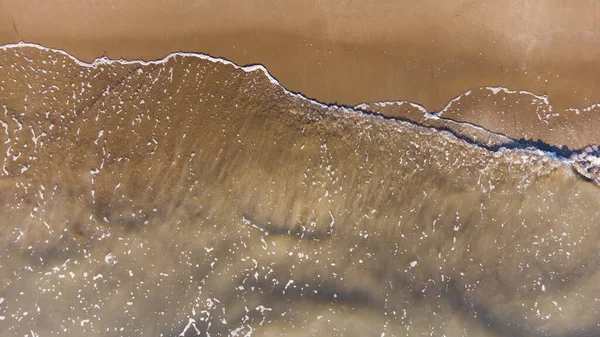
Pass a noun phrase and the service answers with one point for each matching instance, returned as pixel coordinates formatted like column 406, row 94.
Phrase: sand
column 346, row 52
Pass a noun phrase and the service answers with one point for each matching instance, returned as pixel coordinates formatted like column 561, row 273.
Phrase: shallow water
column 193, row 197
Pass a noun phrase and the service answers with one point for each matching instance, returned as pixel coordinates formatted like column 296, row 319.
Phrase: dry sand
column 346, row 52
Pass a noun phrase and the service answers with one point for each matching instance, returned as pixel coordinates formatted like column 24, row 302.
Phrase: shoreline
column 361, row 109
column 483, row 109
column 345, row 54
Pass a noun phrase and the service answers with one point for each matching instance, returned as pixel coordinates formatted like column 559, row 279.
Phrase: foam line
column 106, row 61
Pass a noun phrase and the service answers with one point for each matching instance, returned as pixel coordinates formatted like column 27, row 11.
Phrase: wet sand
column 346, row 52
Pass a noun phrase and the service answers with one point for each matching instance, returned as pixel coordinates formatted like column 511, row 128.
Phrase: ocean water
column 193, row 197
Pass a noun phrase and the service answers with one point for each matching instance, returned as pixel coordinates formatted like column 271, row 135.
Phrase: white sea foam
column 106, row 61
column 496, row 90
column 382, row 104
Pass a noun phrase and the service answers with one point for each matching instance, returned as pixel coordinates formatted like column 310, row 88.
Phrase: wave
column 489, row 138
column 582, row 159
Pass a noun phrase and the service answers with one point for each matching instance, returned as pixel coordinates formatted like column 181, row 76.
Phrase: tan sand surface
column 344, row 51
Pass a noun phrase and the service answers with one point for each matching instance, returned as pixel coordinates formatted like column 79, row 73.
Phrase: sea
column 191, row 196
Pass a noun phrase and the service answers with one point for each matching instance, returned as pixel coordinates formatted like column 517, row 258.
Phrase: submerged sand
column 192, row 197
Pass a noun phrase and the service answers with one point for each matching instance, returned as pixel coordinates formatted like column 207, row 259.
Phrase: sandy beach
column 346, row 52
column 193, row 197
